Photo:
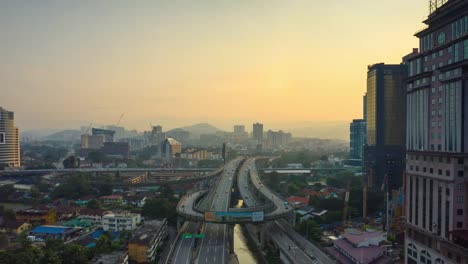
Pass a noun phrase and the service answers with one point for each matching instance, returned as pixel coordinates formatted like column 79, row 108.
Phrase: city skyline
column 71, row 64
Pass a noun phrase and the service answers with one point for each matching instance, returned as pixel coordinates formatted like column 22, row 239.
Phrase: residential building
column 385, row 126
column 137, row 200
column 239, row 136
column 43, row 216
column 94, row 215
column 257, row 133
column 13, row 226
column 65, row 212
column 111, row 199
column 145, row 241
column 117, row 257
column 170, row 148
column 9, row 140
column 120, row 221
column 239, row 129
column 357, row 139
column 278, row 139
column 436, row 176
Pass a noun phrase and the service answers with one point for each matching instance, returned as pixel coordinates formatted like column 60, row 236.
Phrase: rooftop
column 48, row 229
column 147, row 232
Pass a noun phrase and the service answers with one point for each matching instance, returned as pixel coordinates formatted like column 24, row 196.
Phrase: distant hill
column 199, row 129
column 64, row 135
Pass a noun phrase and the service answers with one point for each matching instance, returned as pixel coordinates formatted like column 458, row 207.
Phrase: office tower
column 385, row 126
column 436, row 176
column 9, row 140
column 357, row 138
column 257, row 132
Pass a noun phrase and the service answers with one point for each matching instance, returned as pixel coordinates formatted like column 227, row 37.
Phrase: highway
column 289, row 247
column 183, row 250
column 281, row 208
column 308, row 247
column 213, row 245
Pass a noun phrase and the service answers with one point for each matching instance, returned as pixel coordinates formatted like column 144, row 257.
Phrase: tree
column 93, row 204
column 71, row 162
column 74, row 254
column 159, row 208
column 310, row 229
column 6, row 190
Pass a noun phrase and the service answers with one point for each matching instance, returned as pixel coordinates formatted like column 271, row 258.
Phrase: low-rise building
column 118, row 257
column 65, row 212
column 145, row 241
column 94, row 215
column 85, row 224
column 64, row 233
column 42, row 216
column 112, row 199
column 360, row 247
column 120, row 221
column 13, row 226
column 137, row 200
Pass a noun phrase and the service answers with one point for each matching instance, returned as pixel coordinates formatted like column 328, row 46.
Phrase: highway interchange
column 214, row 247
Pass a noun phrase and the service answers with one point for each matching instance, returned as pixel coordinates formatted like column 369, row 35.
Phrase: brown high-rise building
column 9, row 140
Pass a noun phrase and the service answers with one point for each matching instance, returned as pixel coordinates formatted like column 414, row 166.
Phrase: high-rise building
column 9, row 140
column 239, row 129
column 357, row 138
column 364, row 106
column 385, row 126
column 278, row 139
column 257, row 132
column 436, row 176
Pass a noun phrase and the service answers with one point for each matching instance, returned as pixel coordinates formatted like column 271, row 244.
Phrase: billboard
column 233, row 216
column 258, row 216
column 210, row 216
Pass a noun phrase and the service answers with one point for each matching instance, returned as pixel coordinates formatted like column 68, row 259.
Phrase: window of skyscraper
column 2, row 138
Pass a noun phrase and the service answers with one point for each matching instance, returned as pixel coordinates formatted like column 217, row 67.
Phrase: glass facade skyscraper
column 385, row 125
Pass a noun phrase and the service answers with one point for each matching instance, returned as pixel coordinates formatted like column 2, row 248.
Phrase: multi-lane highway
column 213, row 248
column 183, row 250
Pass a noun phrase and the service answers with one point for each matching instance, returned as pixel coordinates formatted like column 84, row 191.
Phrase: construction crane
column 346, row 202
column 120, row 119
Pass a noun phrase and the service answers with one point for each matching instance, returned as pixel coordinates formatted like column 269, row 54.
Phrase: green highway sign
column 187, row 236
column 200, row 235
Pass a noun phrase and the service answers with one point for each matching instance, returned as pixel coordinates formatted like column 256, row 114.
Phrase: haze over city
column 68, row 64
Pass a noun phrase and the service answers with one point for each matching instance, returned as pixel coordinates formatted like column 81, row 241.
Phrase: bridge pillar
column 261, row 235
column 231, row 238
column 180, row 221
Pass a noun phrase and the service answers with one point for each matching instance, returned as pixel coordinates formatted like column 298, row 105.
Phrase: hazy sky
column 67, row 63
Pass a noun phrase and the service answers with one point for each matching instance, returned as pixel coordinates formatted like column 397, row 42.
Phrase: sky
column 71, row 63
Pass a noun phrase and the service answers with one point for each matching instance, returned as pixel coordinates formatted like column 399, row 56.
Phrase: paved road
column 183, row 250
column 289, row 248
column 213, row 248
